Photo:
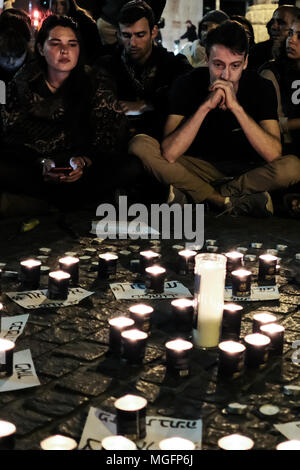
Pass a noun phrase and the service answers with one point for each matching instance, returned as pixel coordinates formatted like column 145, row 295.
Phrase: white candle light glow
column 118, row 443
column 176, row 443
column 235, row 442
column 58, row 442
column 260, row 319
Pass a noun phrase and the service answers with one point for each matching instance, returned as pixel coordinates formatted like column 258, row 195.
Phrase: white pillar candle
column 209, row 298
column 118, row 443
column 58, row 442
column 235, row 442
column 176, row 443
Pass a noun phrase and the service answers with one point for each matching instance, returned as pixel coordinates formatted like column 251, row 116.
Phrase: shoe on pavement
column 256, row 205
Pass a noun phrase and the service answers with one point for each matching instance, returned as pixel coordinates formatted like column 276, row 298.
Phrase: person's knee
column 288, row 172
column 144, row 146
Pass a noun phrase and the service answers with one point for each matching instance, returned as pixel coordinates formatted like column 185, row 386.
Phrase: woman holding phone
column 58, row 115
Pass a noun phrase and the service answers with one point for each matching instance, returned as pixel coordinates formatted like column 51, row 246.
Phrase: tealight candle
column 276, row 334
column 147, row 259
column 293, row 444
column 178, row 355
column 70, row 264
column 7, row 432
column 134, row 345
column 176, row 443
column 241, row 283
column 231, row 323
column 58, row 442
column 234, row 260
column 155, row 279
column 231, row 358
column 267, row 270
column 6, row 357
column 58, row 285
column 141, row 314
column 118, row 443
column 235, row 442
column 116, row 327
column 131, row 416
column 30, row 274
column 183, row 314
column 260, row 319
column 186, row 261
column 256, row 350
column 107, row 265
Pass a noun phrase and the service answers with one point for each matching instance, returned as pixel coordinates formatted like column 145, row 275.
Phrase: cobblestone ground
column 69, row 345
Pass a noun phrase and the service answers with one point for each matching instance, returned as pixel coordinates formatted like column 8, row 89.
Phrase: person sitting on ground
column 284, row 72
column 278, row 28
column 109, row 11
column 222, row 123
column 62, row 117
column 190, row 34
column 15, row 37
column 195, row 52
column 141, row 73
column 91, row 40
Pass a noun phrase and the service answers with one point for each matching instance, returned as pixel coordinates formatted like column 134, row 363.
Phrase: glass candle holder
column 58, row 442
column 183, row 315
column 148, row 258
column 231, row 358
column 260, row 319
column 107, row 265
column 117, row 443
column 231, row 323
column 209, row 299
column 141, row 314
column 6, row 354
column 235, row 442
column 241, row 283
column 29, row 275
column 276, row 334
column 234, row 261
column 267, row 270
column 186, row 261
column 178, row 357
column 134, row 345
column 155, row 279
column 116, row 326
column 70, row 265
column 58, row 285
column 7, row 435
column 131, row 417
column 257, row 352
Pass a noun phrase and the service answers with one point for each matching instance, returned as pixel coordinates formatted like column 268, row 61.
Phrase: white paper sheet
column 12, row 327
column 132, row 291
column 100, row 424
column 257, row 293
column 24, row 375
column 289, row 430
column 38, row 298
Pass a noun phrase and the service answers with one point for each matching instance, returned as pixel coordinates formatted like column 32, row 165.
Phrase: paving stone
column 82, row 350
column 55, row 366
column 87, row 383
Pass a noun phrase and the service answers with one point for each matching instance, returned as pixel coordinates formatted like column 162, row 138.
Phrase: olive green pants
column 195, row 176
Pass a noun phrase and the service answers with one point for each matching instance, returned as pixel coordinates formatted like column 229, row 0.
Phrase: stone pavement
column 69, row 345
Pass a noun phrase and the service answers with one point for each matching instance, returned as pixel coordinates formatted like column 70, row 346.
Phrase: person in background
column 15, row 37
column 222, row 139
column 91, row 42
column 278, row 28
column 190, row 33
column 63, row 132
column 195, row 52
column 108, row 12
column 284, row 72
column 141, row 73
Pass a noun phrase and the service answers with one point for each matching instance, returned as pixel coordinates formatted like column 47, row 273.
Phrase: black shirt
column 220, row 138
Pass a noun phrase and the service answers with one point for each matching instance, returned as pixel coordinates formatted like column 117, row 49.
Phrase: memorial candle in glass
column 234, row 260
column 183, row 314
column 141, row 314
column 58, row 285
column 155, row 279
column 186, row 261
column 178, row 356
column 30, row 274
column 147, row 259
column 257, row 352
column 267, row 270
column 241, row 283
column 131, row 416
column 7, row 435
column 260, row 319
column 276, row 334
column 209, row 299
column 6, row 357
column 70, row 264
column 107, row 265
column 133, row 345
column 231, row 358
column 116, row 327
column 231, row 323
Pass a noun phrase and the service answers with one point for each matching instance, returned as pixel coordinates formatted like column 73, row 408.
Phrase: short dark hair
column 15, row 33
column 135, row 10
column 229, row 34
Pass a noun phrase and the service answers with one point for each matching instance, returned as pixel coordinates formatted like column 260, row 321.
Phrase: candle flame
column 268, row 257
column 108, row 256
column 176, row 443
column 69, row 260
column 232, row 307
column 155, row 270
column 6, row 428
column 31, row 263
column 182, row 303
column 256, row 339
column 134, row 334
column 59, row 275
column 272, row 328
column 264, row 317
column 232, row 346
column 58, row 442
column 118, row 443
column 187, row 253
column 130, row 403
column 235, row 442
column 179, row 345
column 293, row 444
column 6, row 345
column 149, row 254
column 121, row 322
column 141, row 309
